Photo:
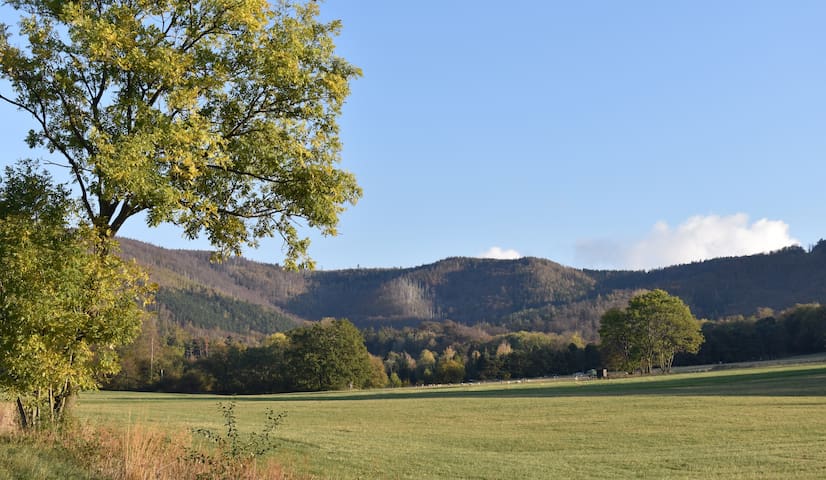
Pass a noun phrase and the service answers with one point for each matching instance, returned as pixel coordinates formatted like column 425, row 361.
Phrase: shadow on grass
column 773, row 383
column 785, row 383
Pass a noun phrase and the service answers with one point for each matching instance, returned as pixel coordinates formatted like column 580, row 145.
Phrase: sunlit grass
column 756, row 423
column 26, row 458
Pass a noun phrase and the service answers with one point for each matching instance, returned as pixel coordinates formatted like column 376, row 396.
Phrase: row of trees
column 518, row 355
column 766, row 335
column 167, row 358
column 654, row 330
column 326, row 355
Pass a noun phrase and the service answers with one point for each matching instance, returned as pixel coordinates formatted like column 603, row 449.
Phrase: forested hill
column 526, row 294
column 734, row 286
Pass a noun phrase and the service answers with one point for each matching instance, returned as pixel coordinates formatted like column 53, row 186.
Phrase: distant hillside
column 526, row 294
column 734, row 286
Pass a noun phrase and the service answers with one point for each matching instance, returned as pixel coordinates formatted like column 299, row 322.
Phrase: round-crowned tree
column 329, row 355
column 651, row 331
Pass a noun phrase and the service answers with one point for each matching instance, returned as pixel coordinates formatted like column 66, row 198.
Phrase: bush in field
column 234, row 451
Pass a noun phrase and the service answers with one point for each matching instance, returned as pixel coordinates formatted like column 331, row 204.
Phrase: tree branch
column 125, row 212
column 40, row 117
column 256, row 214
column 247, row 174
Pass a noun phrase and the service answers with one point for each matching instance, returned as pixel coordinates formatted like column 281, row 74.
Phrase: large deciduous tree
column 63, row 306
column 329, row 355
column 217, row 116
column 651, row 331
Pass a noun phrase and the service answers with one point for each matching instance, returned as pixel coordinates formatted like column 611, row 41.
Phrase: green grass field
column 22, row 459
column 752, row 423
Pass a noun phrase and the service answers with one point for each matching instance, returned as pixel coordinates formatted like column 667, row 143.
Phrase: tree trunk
column 63, row 404
column 51, row 405
column 21, row 411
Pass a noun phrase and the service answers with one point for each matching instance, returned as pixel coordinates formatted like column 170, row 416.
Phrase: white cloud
column 501, row 254
column 698, row 238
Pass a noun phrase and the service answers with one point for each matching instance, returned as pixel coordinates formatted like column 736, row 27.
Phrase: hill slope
column 737, row 285
column 530, row 293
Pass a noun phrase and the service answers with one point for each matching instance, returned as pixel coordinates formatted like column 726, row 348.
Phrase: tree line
column 766, row 335
column 332, row 354
column 327, row 355
column 645, row 335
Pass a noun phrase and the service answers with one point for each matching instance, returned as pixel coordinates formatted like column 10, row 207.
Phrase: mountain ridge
column 529, row 293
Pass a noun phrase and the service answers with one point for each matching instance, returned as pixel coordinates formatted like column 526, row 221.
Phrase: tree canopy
column 328, row 355
column 651, row 331
column 63, row 307
column 619, row 349
column 219, row 117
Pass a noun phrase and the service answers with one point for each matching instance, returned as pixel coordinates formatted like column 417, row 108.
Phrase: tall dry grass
column 140, row 453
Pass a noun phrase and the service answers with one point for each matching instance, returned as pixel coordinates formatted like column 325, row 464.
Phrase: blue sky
column 597, row 134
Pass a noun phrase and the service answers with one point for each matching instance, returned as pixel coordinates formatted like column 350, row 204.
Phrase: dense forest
column 215, row 311
column 734, row 286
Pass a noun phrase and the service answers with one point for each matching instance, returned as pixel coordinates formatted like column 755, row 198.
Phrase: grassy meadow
column 749, row 423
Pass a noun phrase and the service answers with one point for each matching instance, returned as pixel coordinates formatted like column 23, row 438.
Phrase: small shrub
column 234, row 453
